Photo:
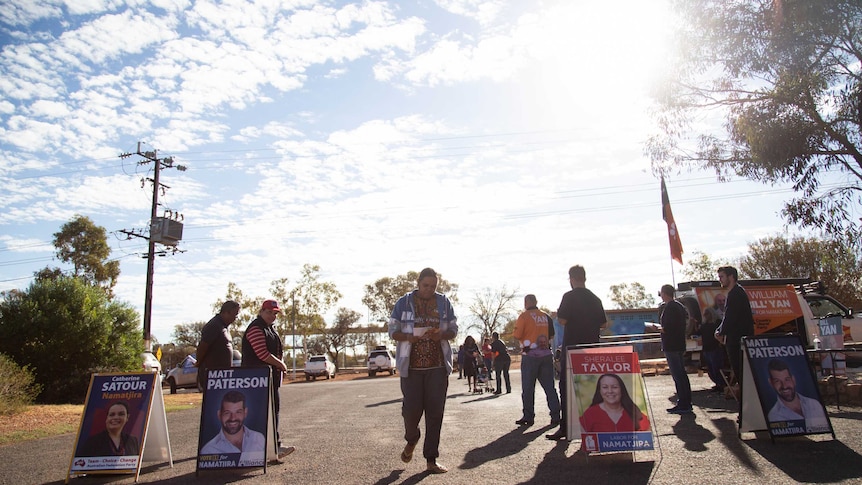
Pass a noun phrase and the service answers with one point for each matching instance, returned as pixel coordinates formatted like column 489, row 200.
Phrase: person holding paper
column 534, row 330
column 424, row 361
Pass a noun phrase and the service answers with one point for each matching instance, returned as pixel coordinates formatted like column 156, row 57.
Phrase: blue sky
column 498, row 142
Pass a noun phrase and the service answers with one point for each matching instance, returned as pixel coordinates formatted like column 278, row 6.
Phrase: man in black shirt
column 582, row 316
column 673, row 318
column 738, row 321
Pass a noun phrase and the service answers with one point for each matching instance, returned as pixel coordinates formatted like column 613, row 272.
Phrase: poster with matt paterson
column 611, row 400
column 112, row 429
column 788, row 394
column 234, row 418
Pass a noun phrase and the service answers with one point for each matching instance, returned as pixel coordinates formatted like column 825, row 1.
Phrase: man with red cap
column 261, row 345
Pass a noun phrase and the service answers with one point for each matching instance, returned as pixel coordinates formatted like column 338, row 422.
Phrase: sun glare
column 596, row 59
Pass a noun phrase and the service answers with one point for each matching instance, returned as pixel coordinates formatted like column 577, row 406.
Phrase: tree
column 65, row 329
column 249, row 306
column 311, row 298
column 337, row 337
column 380, row 297
column 701, row 267
column 492, row 309
column 631, row 295
column 188, row 334
column 84, row 244
column 785, row 77
column 823, row 260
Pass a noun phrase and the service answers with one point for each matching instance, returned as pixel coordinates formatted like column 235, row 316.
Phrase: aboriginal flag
column 672, row 233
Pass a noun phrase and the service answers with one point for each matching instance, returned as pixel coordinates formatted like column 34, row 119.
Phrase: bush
column 18, row 387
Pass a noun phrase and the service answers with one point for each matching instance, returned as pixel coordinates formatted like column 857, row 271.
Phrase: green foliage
column 785, row 77
column 85, row 245
column 338, row 337
column 188, row 334
column 701, row 267
column 248, row 309
column 822, row 260
column 380, row 296
column 631, row 295
column 17, row 386
column 65, row 329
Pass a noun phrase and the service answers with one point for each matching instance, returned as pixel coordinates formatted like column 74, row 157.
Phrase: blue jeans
column 541, row 369
column 714, row 363
column 676, row 364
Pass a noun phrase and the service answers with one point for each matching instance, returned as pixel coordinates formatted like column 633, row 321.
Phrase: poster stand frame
column 573, row 427
column 269, row 432
column 155, row 439
column 752, row 416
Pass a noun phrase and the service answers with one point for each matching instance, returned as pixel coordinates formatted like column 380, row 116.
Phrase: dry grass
column 42, row 420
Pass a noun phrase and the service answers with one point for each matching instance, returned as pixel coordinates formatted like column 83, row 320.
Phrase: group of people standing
column 423, row 322
column 493, row 357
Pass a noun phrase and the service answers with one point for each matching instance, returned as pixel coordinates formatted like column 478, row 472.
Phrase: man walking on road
column 215, row 350
column 422, row 323
column 672, row 316
column 261, row 345
column 534, row 329
column 582, row 315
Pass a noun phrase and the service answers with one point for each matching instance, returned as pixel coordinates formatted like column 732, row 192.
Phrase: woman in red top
column 612, row 409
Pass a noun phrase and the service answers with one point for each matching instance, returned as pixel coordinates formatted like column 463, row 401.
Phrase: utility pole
column 164, row 230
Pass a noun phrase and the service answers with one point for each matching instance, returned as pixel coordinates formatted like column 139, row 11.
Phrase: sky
column 497, row 142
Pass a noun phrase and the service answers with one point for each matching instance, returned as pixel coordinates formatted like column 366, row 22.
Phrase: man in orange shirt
column 534, row 330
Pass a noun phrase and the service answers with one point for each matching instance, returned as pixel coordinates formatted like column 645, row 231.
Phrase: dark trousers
column 276, row 403
column 424, row 392
column 564, row 380
column 676, row 364
column 501, row 367
column 714, row 363
column 734, row 356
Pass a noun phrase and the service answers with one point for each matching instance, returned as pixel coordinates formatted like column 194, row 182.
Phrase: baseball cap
column 271, row 305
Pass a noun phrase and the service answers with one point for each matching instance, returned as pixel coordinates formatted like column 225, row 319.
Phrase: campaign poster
column 610, row 400
column 113, row 426
column 234, row 418
column 788, row 394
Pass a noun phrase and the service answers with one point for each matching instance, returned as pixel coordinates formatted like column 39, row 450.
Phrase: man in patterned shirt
column 261, row 346
column 422, row 323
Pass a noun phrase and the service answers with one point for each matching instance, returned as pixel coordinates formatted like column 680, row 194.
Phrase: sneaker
column 436, row 468
column 285, row 450
column 407, row 453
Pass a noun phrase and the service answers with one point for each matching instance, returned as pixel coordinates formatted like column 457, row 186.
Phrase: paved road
column 349, row 432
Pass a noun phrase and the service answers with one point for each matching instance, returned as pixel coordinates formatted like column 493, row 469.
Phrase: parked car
column 319, row 366
column 381, row 360
column 149, row 362
column 185, row 374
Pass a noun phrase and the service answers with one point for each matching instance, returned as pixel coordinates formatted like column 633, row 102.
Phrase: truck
column 319, row 366
column 789, row 305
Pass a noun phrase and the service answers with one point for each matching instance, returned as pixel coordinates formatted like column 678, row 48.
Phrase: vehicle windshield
column 822, row 307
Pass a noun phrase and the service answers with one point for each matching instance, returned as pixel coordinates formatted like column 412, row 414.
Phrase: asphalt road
column 350, row 432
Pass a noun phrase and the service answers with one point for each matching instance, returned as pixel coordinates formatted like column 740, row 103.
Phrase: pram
column 483, row 376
